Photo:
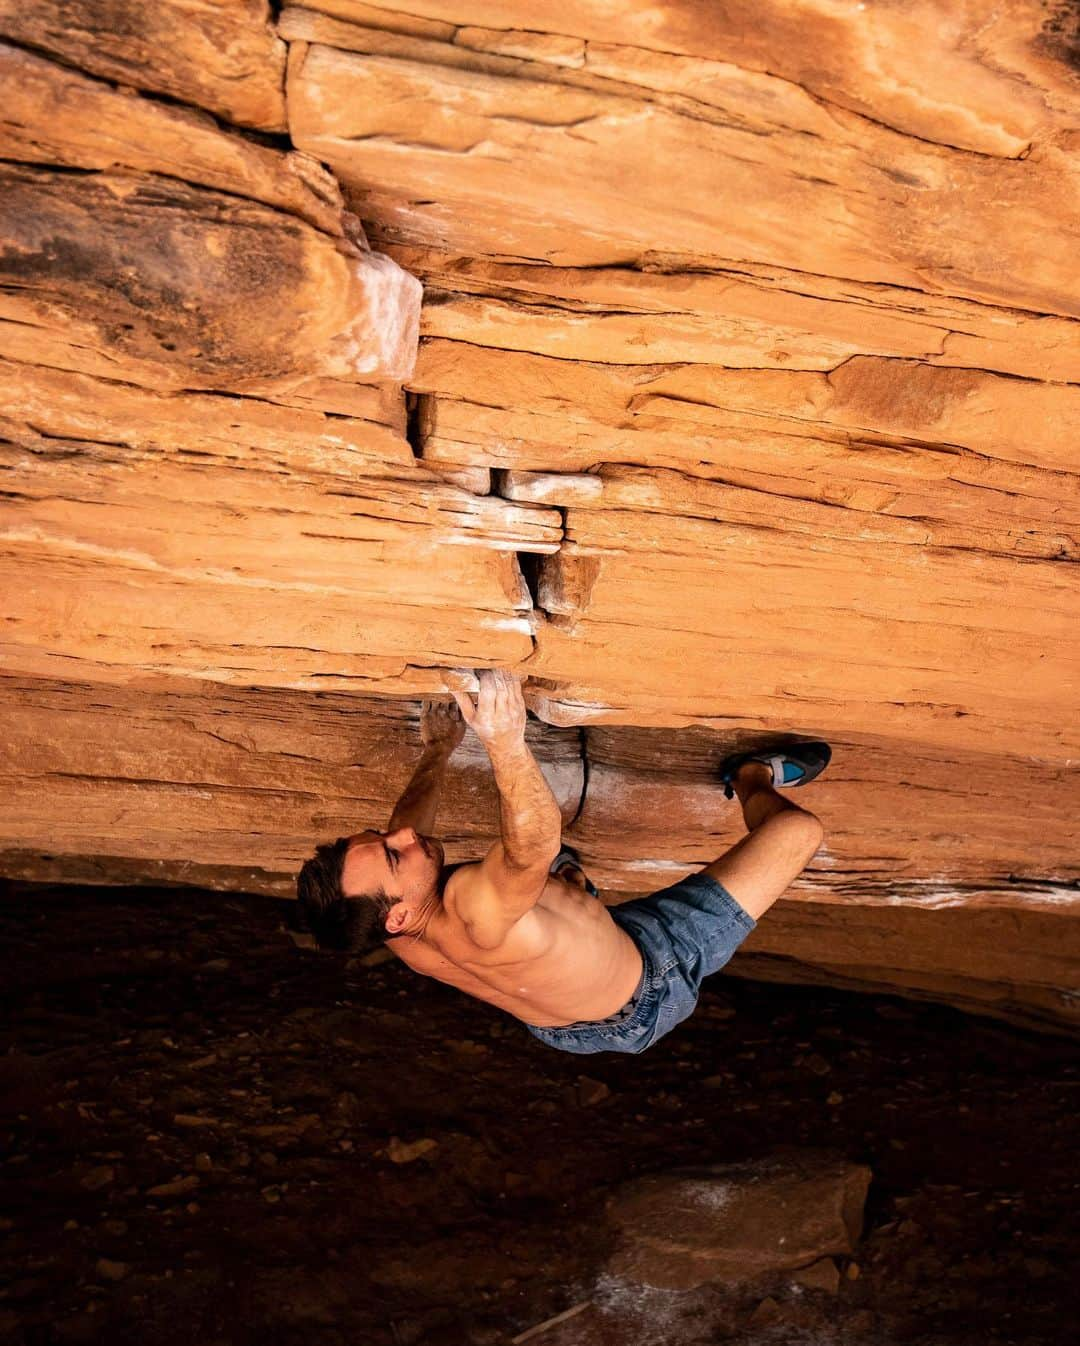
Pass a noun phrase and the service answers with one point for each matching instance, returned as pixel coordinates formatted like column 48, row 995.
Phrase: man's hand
column 441, row 726
column 498, row 717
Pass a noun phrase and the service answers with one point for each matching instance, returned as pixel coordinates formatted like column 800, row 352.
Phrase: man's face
column 402, row 863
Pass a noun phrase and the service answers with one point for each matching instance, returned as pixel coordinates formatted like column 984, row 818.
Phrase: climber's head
column 357, row 892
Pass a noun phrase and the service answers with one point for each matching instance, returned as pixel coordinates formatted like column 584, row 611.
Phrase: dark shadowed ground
column 209, row 1136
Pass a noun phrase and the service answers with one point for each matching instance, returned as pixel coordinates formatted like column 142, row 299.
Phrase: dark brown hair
column 357, row 923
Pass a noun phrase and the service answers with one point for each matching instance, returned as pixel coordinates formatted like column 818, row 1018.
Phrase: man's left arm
column 442, row 729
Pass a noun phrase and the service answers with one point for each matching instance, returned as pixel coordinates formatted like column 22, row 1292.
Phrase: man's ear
column 397, row 917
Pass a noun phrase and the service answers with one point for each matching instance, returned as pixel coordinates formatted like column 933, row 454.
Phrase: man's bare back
column 563, row 962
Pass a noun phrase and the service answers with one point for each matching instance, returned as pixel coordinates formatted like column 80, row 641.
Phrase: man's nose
column 405, row 834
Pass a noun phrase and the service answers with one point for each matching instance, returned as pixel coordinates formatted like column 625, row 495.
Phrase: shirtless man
column 523, row 929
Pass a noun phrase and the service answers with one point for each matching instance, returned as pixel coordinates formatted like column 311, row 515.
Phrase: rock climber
column 523, row 928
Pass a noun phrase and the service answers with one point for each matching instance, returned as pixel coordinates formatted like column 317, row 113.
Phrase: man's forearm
column 530, row 817
column 417, row 806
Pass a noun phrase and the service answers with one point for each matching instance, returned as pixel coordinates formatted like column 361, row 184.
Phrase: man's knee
column 801, row 829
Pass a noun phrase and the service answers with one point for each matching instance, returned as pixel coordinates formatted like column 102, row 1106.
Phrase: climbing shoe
column 790, row 764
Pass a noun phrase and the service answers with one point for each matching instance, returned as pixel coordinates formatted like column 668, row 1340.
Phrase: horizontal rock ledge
column 183, row 287
column 232, row 790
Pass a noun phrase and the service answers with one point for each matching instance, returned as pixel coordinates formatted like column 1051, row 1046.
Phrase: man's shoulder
column 528, row 937
column 450, row 876
column 455, row 882
column 448, row 871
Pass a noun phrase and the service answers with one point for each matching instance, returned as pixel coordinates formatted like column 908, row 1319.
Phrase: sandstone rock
column 902, row 821
column 109, row 1270
column 893, row 536
column 192, row 542
column 778, row 440
column 873, row 382
column 733, row 1225
column 1015, row 963
column 405, row 1152
column 221, row 56
column 884, row 905
column 766, row 1313
column 821, row 1275
column 760, row 317
column 735, row 595
column 943, row 90
column 190, row 288
column 97, row 1178
column 591, row 1092
column 975, row 222
column 179, row 1187
column 50, row 403
column 55, row 115
column 200, row 767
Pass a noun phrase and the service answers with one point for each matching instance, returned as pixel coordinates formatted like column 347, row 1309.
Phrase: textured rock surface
column 248, row 777
column 224, row 565
column 176, row 286
column 55, row 115
column 734, row 1224
column 745, row 403
column 222, row 55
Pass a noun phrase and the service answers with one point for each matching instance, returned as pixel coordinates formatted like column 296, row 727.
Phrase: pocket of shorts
column 660, row 976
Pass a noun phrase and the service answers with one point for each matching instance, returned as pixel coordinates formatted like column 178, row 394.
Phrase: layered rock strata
column 744, row 404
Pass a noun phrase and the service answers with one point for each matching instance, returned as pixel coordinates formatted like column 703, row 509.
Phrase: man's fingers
column 510, row 689
column 499, row 704
column 505, row 683
column 465, row 705
column 485, row 701
column 463, row 679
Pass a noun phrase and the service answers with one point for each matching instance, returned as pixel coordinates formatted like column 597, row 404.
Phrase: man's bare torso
column 564, row 961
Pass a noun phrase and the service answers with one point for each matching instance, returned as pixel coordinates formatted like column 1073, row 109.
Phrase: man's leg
column 783, row 840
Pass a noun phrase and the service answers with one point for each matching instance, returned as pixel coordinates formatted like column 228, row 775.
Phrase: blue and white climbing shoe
column 790, row 763
column 567, row 857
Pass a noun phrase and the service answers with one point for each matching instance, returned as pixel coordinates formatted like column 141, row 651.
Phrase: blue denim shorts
column 684, row 932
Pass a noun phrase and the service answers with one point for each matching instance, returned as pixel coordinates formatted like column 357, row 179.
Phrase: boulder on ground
column 731, row 1225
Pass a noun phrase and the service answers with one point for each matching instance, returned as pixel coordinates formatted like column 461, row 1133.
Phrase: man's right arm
column 493, row 896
